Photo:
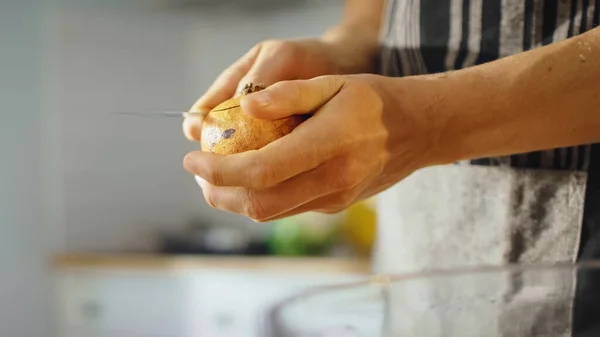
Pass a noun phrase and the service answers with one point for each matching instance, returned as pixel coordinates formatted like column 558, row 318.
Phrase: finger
column 224, row 87
column 270, row 66
column 192, row 126
column 279, row 199
column 329, row 204
column 206, row 190
column 288, row 98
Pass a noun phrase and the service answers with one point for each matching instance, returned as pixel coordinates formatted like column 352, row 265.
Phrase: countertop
column 320, row 265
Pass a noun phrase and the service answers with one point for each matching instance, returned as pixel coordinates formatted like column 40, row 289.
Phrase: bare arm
column 364, row 14
column 541, row 99
column 370, row 132
column 359, row 33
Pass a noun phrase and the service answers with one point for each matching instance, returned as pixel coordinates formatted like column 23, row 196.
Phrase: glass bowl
column 508, row 301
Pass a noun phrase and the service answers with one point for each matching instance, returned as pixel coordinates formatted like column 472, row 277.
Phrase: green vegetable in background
column 306, row 234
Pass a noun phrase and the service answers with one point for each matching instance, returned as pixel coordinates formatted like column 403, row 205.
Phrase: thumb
column 288, row 98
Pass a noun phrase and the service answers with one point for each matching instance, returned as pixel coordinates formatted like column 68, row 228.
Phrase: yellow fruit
column 360, row 226
column 228, row 130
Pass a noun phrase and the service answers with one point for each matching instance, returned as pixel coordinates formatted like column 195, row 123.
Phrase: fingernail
column 262, row 98
column 201, row 182
column 192, row 128
column 188, row 161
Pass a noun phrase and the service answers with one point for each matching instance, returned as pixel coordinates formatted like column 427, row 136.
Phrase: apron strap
column 589, row 248
column 587, row 295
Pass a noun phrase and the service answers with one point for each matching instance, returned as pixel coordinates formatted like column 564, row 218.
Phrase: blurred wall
column 122, row 175
column 25, row 240
column 72, row 175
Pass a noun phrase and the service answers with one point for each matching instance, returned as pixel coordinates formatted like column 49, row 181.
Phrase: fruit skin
column 228, row 130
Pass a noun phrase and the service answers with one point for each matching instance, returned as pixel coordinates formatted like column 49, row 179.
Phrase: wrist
column 458, row 115
column 353, row 49
column 414, row 122
column 469, row 112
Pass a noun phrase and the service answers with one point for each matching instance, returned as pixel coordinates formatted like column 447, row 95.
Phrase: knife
column 182, row 114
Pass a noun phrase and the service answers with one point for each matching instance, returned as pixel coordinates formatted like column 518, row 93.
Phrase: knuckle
column 331, row 84
column 282, row 46
column 342, row 201
column 331, row 211
column 188, row 160
column 333, row 81
column 262, row 176
column 342, row 181
column 215, row 176
column 380, row 164
column 252, row 207
column 347, row 178
column 256, row 48
column 227, row 73
column 345, row 200
column 269, row 42
column 355, row 87
column 209, row 198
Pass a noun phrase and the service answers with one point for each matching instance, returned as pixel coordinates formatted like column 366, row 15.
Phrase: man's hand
column 358, row 142
column 350, row 47
column 279, row 60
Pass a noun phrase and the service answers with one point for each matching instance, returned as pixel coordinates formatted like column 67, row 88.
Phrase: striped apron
column 524, row 208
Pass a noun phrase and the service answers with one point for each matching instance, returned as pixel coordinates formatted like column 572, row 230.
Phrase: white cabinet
column 88, row 332
column 194, row 303
column 115, row 304
column 235, row 304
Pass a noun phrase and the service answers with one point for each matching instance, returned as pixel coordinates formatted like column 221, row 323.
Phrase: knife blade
column 181, row 114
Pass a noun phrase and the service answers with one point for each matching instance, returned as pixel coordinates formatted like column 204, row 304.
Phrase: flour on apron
column 524, row 208
column 458, row 216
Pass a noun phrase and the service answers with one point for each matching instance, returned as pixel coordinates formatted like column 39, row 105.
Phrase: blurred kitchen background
column 102, row 231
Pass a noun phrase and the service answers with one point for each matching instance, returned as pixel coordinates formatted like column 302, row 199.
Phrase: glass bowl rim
column 380, row 280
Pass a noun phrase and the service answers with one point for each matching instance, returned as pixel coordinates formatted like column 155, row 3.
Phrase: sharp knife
column 180, row 114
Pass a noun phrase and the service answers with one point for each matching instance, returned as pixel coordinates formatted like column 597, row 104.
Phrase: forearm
column 356, row 37
column 542, row 99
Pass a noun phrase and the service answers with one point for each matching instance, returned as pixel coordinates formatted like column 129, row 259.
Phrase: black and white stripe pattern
column 430, row 36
